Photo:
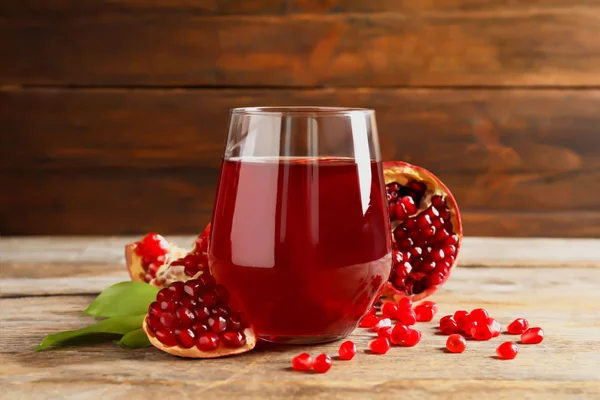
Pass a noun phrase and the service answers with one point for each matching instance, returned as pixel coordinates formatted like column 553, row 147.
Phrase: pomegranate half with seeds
column 427, row 231
column 156, row 261
column 195, row 319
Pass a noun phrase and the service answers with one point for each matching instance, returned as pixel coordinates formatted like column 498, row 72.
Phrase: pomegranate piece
column 448, row 325
column 379, row 345
column 322, row 363
column 302, row 362
column 413, row 337
column 389, row 310
column 456, row 343
column 425, row 311
column 507, row 350
column 347, row 350
column 399, row 333
column 407, row 316
column 481, row 331
column 382, row 323
column 532, row 336
column 427, row 231
column 518, row 326
column 404, row 303
column 495, row 327
column 368, row 321
column 190, row 320
column 463, row 321
column 385, row 332
column 479, row 315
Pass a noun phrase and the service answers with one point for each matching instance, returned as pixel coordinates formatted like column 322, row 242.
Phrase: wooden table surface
column 45, row 283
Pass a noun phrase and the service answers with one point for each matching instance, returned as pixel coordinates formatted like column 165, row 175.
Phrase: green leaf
column 123, row 299
column 135, row 340
column 114, row 325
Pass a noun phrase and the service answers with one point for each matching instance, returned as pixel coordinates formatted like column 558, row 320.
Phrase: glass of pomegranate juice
column 300, row 230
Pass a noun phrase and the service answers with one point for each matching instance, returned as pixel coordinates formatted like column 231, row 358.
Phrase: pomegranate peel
column 427, row 231
column 194, row 352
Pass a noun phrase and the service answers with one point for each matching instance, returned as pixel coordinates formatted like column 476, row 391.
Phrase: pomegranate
column 456, row 343
column 507, row 351
column 156, row 261
column 302, row 362
column 195, row 319
column 427, row 231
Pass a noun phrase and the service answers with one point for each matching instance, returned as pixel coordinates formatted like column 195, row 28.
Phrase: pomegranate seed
column 302, row 362
column 399, row 333
column 185, row 338
column 202, row 313
column 207, row 341
column 423, row 221
column 166, row 337
column 154, row 309
column 479, row 315
column 404, row 303
column 407, row 317
column 507, row 350
column 495, row 327
column 462, row 320
column 481, row 331
column 322, row 363
column 382, row 323
column 532, row 336
column 456, row 343
column 368, row 321
column 438, row 201
column 233, row 339
column 424, row 313
column 431, row 304
column 385, row 332
column 518, row 326
column 379, row 345
column 448, row 325
column 185, row 316
column 347, row 350
column 413, row 337
column 169, row 320
column 199, row 328
column 217, row 324
column 389, row 310
column 372, row 311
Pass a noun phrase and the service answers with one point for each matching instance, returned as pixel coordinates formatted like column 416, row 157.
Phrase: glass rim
column 301, row 111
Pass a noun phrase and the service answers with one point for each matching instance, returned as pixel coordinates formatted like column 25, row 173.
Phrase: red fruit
column 481, row 331
column 382, row 324
column 404, row 303
column 448, row 325
column 456, row 343
column 426, row 224
column 385, row 332
column 413, row 337
column 532, row 336
column 368, row 321
column 212, row 330
column 322, row 363
column 399, row 333
column 389, row 310
column 507, row 350
column 379, row 345
column 302, row 362
column 156, row 261
column 462, row 320
column 479, row 315
column 407, row 317
column 495, row 327
column 425, row 311
column 347, row 350
column 518, row 326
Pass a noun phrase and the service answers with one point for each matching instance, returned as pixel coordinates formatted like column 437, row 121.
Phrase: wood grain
column 564, row 366
column 125, row 161
column 86, row 265
column 523, row 48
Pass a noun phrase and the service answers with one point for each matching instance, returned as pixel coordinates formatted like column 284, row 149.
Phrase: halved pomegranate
column 195, row 319
column 156, row 261
column 427, row 231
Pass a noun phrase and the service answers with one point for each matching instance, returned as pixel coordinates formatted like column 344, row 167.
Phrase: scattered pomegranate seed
column 424, row 312
column 479, row 315
column 368, row 321
column 382, row 323
column 385, row 332
column 389, row 310
column 431, row 304
column 413, row 337
column 532, row 336
column 379, row 345
column 347, row 350
column 404, row 303
column 481, row 331
column 518, row 326
column 448, row 325
column 456, row 343
column 372, row 311
column 462, row 320
column 322, row 363
column 302, row 362
column 399, row 333
column 495, row 327
column 407, row 316
column 507, row 350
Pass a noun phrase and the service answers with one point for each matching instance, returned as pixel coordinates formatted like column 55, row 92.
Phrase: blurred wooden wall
column 113, row 113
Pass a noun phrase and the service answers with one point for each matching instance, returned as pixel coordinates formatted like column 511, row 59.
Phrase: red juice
column 302, row 244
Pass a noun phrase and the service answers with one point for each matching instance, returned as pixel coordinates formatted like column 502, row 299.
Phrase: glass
column 300, row 231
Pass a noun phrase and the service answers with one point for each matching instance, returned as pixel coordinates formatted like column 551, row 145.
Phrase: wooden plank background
column 113, row 113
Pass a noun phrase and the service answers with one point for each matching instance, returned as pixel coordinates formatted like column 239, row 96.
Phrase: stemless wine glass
column 300, row 231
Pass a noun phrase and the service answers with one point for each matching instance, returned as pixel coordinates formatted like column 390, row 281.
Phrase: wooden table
column 46, row 282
